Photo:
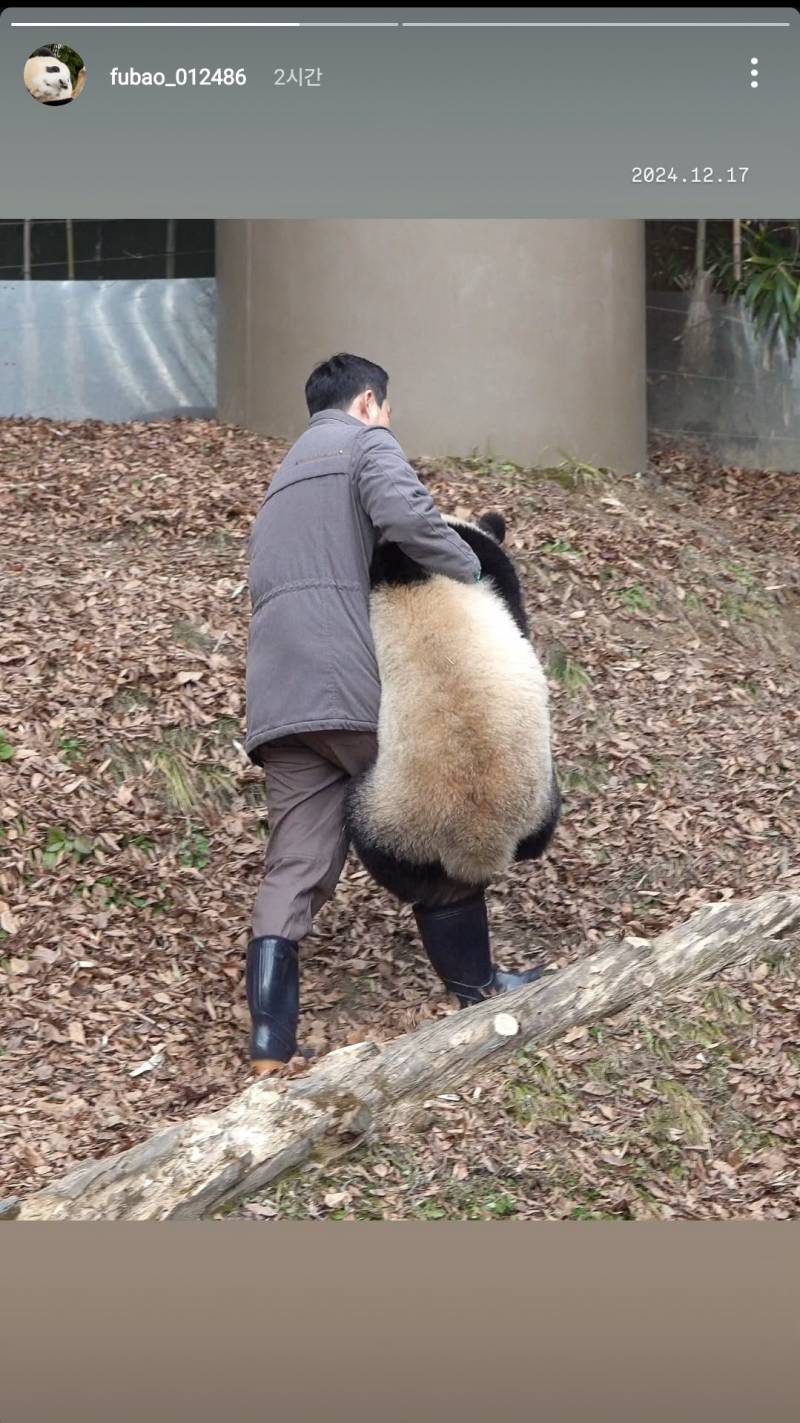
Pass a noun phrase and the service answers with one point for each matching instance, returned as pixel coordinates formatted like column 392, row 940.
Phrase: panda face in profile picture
column 49, row 79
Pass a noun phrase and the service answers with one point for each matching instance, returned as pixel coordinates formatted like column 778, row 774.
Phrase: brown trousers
column 306, row 780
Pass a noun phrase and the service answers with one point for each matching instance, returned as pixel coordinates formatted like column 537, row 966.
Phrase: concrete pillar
column 519, row 340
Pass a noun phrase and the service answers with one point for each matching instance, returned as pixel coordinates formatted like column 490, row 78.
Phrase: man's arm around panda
column 402, row 511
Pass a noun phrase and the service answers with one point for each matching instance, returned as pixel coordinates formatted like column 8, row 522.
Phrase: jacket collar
column 323, row 416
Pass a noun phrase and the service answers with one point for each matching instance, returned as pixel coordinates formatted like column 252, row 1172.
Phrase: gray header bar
column 362, row 112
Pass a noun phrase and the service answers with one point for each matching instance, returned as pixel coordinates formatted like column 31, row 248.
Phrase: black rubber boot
column 456, row 940
column 273, row 997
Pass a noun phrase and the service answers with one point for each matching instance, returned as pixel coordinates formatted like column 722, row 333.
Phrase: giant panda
column 464, row 783
column 48, row 79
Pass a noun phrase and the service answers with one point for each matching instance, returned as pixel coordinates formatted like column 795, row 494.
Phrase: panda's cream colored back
column 464, row 731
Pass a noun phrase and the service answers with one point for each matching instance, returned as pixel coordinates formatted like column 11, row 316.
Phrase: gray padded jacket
column 311, row 662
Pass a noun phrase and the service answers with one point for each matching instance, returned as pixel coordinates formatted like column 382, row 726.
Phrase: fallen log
column 191, row 1169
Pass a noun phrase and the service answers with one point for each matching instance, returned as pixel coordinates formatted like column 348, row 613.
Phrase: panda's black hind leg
column 406, row 881
column 457, row 942
column 535, row 844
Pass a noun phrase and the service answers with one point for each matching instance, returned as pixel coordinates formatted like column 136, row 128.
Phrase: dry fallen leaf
column 576, row 1034
column 149, row 1066
column 8, row 921
column 335, row 1198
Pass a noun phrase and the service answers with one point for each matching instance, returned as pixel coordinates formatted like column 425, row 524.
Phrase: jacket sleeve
column 399, row 506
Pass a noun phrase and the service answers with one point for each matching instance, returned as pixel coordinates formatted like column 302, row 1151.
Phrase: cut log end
column 505, row 1025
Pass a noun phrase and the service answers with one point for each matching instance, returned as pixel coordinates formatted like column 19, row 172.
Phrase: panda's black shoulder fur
column 392, row 567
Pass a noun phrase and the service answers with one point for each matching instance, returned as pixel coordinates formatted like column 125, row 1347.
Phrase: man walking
column 313, row 691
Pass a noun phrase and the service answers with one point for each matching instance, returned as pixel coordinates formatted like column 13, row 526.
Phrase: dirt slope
column 131, row 828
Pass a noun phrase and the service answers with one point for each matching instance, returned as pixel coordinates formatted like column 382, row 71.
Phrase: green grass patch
column 189, row 635
column 606, row 1068
column 226, row 728
column 141, row 842
column 742, row 575
column 187, row 780
column 72, row 750
column 61, row 844
column 129, row 699
column 537, row 1094
column 736, row 609
column 195, row 850
column 586, row 1213
column 658, row 1045
column 589, row 777
column 635, row 599
column 562, row 547
column 723, row 1004
column 486, row 465
column 680, row 1117
column 176, row 776
column 584, row 476
column 111, row 891
column 568, row 672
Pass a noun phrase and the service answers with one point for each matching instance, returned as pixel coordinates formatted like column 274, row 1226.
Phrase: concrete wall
column 524, row 340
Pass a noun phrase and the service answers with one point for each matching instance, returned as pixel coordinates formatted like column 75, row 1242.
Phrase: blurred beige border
column 230, row 1322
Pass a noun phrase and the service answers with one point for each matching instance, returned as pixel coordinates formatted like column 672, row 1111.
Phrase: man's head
column 352, row 384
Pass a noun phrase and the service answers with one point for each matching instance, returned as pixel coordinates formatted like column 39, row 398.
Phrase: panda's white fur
column 464, row 770
column 47, row 79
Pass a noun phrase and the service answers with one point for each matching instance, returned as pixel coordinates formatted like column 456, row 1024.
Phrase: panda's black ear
column 494, row 524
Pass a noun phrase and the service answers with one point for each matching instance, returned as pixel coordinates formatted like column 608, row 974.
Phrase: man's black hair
column 334, row 384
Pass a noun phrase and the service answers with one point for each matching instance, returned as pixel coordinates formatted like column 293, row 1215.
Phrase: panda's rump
column 463, row 765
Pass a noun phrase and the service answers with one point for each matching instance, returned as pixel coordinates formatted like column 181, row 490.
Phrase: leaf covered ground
column 667, row 610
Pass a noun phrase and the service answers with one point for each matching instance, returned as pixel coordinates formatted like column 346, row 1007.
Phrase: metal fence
column 108, row 350
column 90, row 249
column 718, row 382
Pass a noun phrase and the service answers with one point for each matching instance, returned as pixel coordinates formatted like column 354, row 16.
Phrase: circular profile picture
column 54, row 74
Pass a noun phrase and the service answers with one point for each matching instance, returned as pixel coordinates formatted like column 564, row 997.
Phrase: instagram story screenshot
column 399, row 707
